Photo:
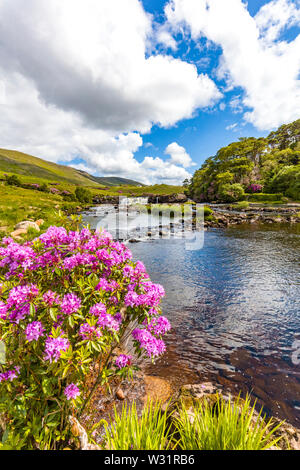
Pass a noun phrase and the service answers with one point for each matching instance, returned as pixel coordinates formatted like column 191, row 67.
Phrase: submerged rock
column 25, row 225
column 157, row 389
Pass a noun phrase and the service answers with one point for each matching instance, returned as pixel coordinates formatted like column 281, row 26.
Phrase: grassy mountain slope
column 111, row 180
column 12, row 161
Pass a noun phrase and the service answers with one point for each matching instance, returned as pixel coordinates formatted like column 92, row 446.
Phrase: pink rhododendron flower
column 72, row 392
column 54, row 348
column 158, row 326
column 98, row 309
column 34, row 331
column 87, row 331
column 123, row 360
column 50, row 298
column 10, row 375
column 153, row 346
column 70, row 304
column 3, row 310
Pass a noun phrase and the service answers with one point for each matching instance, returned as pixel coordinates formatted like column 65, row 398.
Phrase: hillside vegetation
column 256, row 169
column 32, row 188
column 20, row 163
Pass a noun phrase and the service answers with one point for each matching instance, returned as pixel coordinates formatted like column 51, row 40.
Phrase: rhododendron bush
column 67, row 299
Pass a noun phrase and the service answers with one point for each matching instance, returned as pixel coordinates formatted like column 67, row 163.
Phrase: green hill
column 111, row 180
column 19, row 163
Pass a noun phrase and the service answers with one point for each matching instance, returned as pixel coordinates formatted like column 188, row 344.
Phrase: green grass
column 221, row 425
column 144, row 191
column 18, row 204
column 265, row 198
column 129, row 431
column 241, row 205
column 228, row 425
column 22, row 164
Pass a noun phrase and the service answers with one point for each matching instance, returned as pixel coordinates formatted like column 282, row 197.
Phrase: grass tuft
column 129, row 431
column 228, row 425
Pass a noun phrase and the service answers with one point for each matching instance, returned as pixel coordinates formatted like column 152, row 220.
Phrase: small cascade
column 130, row 201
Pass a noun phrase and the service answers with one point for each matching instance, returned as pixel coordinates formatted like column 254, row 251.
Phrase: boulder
column 17, row 233
column 120, row 394
column 39, row 222
column 25, row 225
column 168, row 198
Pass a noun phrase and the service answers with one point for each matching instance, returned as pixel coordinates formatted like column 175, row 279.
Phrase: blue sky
column 145, row 89
column 203, row 135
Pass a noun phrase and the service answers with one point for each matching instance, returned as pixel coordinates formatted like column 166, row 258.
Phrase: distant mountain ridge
column 20, row 163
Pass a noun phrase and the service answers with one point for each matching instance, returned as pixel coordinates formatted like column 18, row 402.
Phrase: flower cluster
column 153, row 346
column 70, row 304
column 254, row 188
column 123, row 361
column 72, row 392
column 88, row 332
column 10, row 375
column 34, row 331
column 158, row 326
column 54, row 347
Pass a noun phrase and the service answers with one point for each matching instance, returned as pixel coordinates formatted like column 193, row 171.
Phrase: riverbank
column 143, row 389
column 225, row 215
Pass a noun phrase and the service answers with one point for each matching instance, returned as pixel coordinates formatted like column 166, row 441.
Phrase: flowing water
column 234, row 307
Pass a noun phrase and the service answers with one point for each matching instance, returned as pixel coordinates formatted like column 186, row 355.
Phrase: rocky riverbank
column 226, row 215
column 144, row 388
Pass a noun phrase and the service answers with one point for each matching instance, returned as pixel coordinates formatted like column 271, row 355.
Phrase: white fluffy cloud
column 275, row 16
column 253, row 57
column 58, row 135
column 79, row 81
column 179, row 155
column 28, row 125
column 166, row 38
column 164, row 171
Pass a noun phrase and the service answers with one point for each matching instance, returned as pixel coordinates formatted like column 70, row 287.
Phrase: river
column 234, row 308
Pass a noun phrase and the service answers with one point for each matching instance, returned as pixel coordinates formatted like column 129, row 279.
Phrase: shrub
column 70, row 197
column 208, row 212
column 231, row 192
column 225, row 426
column 67, row 299
column 13, row 180
column 83, row 195
column 54, row 191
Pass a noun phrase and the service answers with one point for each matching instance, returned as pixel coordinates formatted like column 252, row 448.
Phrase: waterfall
column 132, row 201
